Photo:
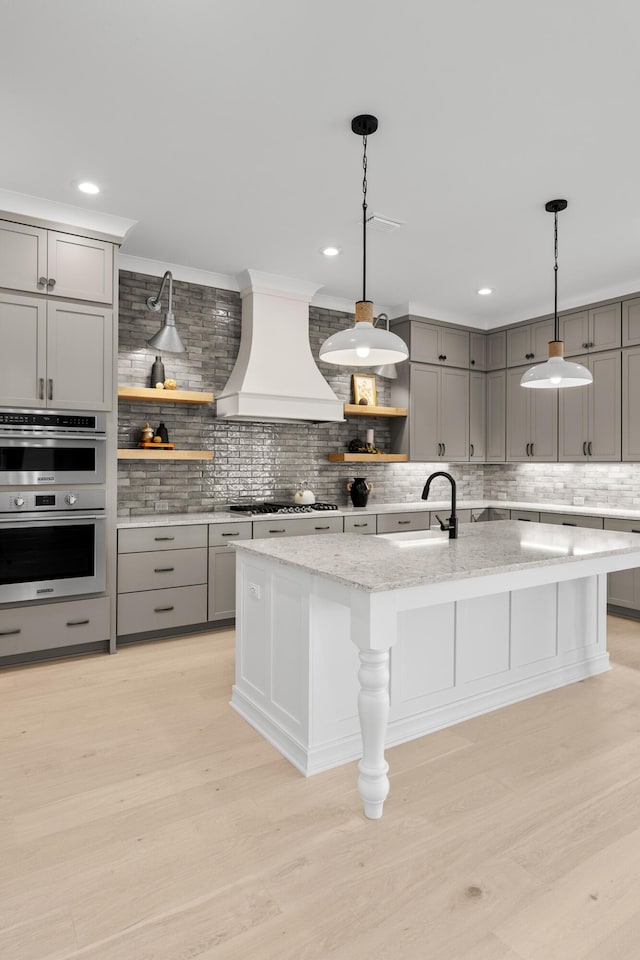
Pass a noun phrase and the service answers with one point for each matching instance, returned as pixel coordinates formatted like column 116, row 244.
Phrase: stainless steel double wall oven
column 53, row 537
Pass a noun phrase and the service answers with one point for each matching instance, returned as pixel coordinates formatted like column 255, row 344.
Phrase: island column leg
column 373, row 709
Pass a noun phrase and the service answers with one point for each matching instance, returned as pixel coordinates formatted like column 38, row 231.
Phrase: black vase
column 157, row 372
column 163, row 433
column 359, row 489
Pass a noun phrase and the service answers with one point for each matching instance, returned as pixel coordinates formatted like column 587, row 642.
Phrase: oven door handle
column 48, row 517
column 34, row 437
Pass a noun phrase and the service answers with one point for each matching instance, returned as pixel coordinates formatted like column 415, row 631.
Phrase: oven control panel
column 27, row 501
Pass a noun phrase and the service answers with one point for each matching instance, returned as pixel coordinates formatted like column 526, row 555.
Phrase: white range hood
column 275, row 377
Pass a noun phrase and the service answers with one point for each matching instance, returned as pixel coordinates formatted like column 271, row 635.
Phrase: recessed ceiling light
column 331, row 251
column 485, row 291
column 88, row 187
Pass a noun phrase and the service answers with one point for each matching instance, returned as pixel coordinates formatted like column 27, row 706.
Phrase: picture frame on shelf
column 363, row 386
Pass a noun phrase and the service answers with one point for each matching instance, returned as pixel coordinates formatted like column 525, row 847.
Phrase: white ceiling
column 223, row 128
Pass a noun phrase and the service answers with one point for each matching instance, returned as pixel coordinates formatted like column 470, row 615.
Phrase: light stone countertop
column 226, row 516
column 376, row 563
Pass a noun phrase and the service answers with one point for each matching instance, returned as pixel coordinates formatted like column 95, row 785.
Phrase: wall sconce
column 166, row 339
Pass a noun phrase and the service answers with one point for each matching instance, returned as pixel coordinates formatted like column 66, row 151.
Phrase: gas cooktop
column 272, row 506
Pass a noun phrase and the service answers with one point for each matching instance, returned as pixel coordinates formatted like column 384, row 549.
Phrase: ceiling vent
column 382, row 224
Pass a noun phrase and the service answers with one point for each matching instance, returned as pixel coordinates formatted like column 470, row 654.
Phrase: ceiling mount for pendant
column 364, row 345
column 556, row 372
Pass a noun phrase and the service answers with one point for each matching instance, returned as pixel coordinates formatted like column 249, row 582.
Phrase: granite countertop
column 376, row 563
column 226, row 516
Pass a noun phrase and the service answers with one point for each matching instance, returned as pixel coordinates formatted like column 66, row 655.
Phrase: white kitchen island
column 349, row 644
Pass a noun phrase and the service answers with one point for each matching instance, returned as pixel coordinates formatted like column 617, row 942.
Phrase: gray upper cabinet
column 528, row 344
column 431, row 343
column 631, row 404
column 477, row 416
column 631, row 322
column 54, row 263
column 478, row 351
column 437, row 427
column 496, row 348
column 496, row 416
column 532, row 421
column 55, row 354
column 591, row 330
column 589, row 418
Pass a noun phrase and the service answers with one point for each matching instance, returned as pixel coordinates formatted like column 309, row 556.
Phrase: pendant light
column 556, row 372
column 364, row 345
column 167, row 338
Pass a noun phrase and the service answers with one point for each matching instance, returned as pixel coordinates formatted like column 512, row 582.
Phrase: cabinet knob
column 51, row 283
column 585, row 346
column 473, row 363
column 42, row 281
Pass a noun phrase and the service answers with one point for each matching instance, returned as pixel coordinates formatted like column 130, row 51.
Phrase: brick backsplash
column 266, row 460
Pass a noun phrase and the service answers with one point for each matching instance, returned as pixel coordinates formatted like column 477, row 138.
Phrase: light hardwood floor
column 142, row 819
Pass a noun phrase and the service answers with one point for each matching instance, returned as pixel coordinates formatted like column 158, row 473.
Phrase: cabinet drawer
column 626, row 526
column 572, row 520
column 154, row 571
column 277, row 527
column 361, row 524
column 154, row 610
column 525, row 515
column 144, row 539
column 415, row 520
column 221, row 534
column 52, row 625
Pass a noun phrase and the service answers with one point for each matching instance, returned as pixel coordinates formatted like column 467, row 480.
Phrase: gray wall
column 250, row 460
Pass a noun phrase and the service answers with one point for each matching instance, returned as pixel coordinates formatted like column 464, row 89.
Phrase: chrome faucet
column 452, row 523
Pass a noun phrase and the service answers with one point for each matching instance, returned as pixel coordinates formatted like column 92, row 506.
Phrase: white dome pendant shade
column 364, row 345
column 556, row 372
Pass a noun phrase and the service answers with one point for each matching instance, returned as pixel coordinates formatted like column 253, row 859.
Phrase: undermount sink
column 415, row 538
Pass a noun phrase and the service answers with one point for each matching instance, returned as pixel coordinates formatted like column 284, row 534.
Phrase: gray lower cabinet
column 288, row 526
column 365, row 523
column 624, row 585
column 572, row 520
column 532, row 421
column 477, row 416
column 222, row 568
column 414, row 520
column 589, row 418
column 162, row 578
column 50, row 626
column 526, row 515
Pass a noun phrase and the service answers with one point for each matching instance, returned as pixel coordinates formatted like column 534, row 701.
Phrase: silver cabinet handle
column 77, row 623
column 236, row 534
column 163, row 569
column 50, row 389
column 328, row 527
column 589, row 447
column 41, row 390
column 42, row 281
column 283, row 530
column 163, row 538
column 51, row 283
column 163, row 609
column 9, row 633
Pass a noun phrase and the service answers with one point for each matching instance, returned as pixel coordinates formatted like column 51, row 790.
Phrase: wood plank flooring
column 142, row 819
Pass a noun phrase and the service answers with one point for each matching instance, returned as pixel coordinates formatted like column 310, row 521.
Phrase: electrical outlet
column 578, row 501
column 255, row 590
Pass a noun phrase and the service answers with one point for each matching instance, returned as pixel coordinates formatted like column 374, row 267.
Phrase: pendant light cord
column 364, row 218
column 556, row 324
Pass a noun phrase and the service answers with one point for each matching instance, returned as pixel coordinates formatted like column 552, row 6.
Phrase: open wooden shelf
column 131, row 454
column 365, row 410
column 368, row 457
column 151, row 395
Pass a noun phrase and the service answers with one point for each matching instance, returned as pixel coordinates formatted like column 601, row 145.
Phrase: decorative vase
column 359, row 488
column 157, row 372
column 162, row 433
